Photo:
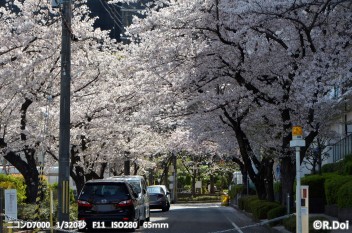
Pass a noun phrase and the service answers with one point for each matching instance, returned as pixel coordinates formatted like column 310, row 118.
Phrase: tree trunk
column 212, row 189
column 28, row 170
column 269, row 181
column 193, row 185
column 27, row 167
column 287, row 178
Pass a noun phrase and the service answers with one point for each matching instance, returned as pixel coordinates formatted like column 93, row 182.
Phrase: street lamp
column 298, row 142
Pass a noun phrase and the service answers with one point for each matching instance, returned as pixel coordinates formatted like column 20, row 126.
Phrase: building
column 115, row 17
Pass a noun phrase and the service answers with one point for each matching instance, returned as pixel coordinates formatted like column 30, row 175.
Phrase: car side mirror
column 144, row 191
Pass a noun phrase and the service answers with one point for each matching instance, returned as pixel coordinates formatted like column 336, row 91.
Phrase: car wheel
column 164, row 208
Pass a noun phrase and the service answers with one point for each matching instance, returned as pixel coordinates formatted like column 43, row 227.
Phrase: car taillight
column 84, row 204
column 125, row 203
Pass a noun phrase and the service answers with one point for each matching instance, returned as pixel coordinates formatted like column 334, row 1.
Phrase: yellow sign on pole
column 297, row 131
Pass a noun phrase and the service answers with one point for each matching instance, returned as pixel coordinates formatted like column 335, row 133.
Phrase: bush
column 332, row 184
column 344, row 198
column 14, row 182
column 343, row 167
column 261, row 208
column 348, row 168
column 250, row 203
column 328, row 168
column 244, row 200
column 275, row 213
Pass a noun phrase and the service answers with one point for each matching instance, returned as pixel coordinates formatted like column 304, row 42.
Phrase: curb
column 275, row 229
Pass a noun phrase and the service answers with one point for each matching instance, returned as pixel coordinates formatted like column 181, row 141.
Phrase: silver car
column 139, row 186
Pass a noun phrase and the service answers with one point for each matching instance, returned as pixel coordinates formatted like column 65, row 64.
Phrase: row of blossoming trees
column 216, row 76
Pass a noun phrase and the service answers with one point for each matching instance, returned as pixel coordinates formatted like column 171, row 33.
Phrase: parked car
column 158, row 198
column 168, row 194
column 107, row 201
column 139, row 186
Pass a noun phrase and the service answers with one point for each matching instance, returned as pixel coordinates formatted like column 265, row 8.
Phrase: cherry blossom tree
column 258, row 67
column 30, row 67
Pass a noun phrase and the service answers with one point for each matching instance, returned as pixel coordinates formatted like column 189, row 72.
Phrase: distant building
column 115, row 17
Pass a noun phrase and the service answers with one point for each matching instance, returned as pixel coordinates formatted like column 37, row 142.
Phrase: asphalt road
column 198, row 218
column 201, row 218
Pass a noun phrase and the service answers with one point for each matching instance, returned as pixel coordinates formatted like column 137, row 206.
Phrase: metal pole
column 288, row 202
column 298, row 191
column 126, row 169
column 1, row 210
column 175, row 178
column 64, row 140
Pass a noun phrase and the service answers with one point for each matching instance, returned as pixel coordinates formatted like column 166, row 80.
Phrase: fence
column 342, row 148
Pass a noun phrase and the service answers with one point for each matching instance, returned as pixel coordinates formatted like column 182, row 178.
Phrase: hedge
column 244, row 200
column 275, row 213
column 261, row 208
column 343, row 167
column 344, row 198
column 332, row 185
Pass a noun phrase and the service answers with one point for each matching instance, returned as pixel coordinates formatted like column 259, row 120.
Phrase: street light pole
column 298, row 191
column 298, row 142
column 64, row 140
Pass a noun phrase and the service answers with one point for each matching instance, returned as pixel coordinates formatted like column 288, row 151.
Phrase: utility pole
column 64, row 140
column 175, row 176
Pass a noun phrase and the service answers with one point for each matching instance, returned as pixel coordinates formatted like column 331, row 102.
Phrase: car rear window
column 104, row 189
column 155, row 190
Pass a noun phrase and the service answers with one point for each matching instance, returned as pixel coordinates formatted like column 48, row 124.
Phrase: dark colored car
column 158, row 198
column 104, row 203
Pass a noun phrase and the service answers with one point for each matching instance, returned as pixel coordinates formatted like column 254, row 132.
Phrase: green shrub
column 261, row 208
column 316, row 186
column 14, row 182
column 250, row 204
column 344, row 198
column 244, row 200
column 343, row 167
column 275, row 213
column 27, row 212
column 348, row 168
column 332, row 184
column 328, row 168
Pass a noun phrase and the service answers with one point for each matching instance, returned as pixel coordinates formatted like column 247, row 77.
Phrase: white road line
column 234, row 225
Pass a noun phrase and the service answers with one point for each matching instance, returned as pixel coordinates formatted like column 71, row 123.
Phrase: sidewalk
column 282, row 229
